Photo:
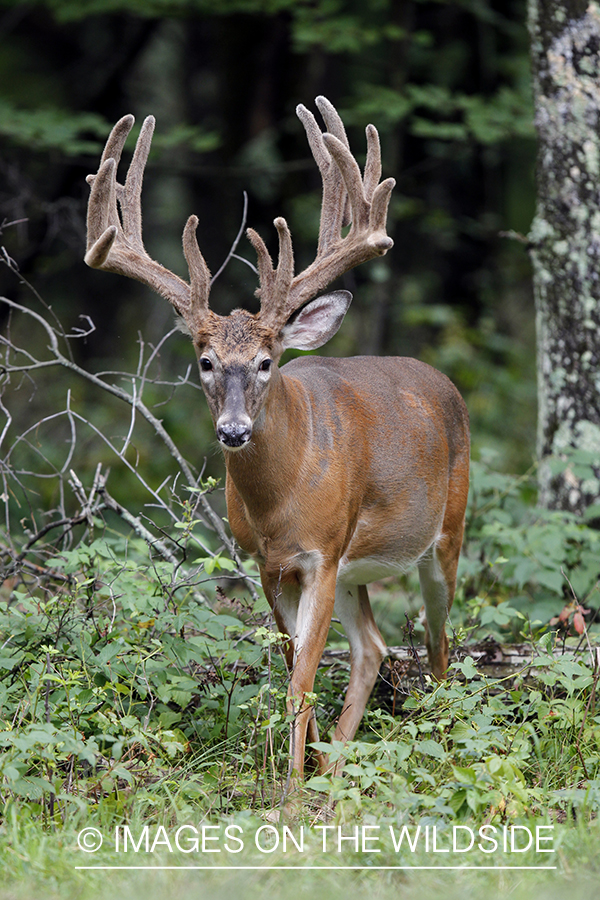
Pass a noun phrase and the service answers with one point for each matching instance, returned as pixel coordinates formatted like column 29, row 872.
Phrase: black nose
column 233, row 434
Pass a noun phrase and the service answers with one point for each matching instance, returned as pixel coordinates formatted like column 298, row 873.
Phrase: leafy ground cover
column 134, row 707
column 142, row 687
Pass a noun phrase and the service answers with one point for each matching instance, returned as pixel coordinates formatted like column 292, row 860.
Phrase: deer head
column 238, row 354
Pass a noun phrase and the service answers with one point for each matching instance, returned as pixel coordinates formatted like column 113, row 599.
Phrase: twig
column 232, row 254
column 409, row 628
column 206, row 511
column 136, row 525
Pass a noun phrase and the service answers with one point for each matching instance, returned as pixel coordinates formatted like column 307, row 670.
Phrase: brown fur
column 355, row 458
column 338, row 471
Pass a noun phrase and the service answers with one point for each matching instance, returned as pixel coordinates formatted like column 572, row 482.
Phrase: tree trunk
column 565, row 249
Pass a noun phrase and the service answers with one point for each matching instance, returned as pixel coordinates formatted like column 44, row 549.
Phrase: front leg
column 303, row 610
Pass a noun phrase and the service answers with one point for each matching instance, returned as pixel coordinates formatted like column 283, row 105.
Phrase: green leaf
column 467, row 667
column 464, row 775
column 431, row 748
column 48, row 129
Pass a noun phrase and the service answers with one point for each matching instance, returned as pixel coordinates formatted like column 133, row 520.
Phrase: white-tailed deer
column 339, row 471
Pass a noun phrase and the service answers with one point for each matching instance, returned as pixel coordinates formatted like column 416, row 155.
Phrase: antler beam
column 348, row 196
column 115, row 243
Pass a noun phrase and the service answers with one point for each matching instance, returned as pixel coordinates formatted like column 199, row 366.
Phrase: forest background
column 446, row 83
column 138, row 684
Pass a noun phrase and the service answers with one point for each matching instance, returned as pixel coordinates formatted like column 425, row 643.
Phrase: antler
column 115, row 242
column 347, row 196
column 117, row 246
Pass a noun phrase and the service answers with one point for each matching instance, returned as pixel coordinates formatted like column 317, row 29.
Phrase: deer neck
column 266, row 471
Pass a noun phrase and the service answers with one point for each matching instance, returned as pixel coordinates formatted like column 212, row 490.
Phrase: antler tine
column 117, row 246
column 285, row 266
column 342, row 183
column 274, row 283
column 199, row 271
column 373, row 162
column 131, row 204
column 116, row 141
column 344, row 187
column 266, row 272
column 334, row 203
column 335, row 126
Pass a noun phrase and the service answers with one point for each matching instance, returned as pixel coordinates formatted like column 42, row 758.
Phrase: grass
column 37, row 862
column 136, row 692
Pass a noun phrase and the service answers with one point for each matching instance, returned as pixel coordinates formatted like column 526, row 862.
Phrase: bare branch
column 18, row 361
column 232, row 254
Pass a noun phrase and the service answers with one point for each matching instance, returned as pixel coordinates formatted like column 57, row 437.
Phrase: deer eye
column 265, row 365
column 205, row 364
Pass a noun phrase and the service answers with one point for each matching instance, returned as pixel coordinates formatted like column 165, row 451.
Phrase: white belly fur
column 364, row 571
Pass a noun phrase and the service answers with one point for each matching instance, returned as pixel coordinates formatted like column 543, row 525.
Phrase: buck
column 340, row 472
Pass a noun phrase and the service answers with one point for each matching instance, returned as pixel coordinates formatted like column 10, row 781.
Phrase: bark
column 565, row 248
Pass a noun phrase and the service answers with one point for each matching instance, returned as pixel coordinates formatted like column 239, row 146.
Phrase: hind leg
column 438, row 580
column 437, row 571
column 367, row 650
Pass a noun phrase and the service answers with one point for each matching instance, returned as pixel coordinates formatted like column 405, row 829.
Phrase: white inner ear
column 317, row 322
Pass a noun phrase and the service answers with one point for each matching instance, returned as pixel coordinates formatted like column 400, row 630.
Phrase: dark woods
column 447, row 85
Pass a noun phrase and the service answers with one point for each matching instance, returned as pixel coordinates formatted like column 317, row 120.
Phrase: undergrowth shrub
column 502, row 749
column 140, row 673
column 523, row 564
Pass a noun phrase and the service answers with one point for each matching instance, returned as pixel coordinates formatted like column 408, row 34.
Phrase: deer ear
column 316, row 322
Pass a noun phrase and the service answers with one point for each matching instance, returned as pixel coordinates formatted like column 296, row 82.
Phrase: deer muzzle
column 234, row 425
column 234, row 435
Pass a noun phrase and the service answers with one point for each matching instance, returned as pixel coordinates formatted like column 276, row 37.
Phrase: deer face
column 238, row 356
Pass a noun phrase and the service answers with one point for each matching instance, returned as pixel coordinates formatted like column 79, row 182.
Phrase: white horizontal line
column 324, row 868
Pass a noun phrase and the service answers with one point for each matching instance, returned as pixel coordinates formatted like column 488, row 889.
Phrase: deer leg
column 367, row 651
column 285, row 610
column 298, row 614
column 437, row 571
column 437, row 574
column 438, row 593
column 314, row 611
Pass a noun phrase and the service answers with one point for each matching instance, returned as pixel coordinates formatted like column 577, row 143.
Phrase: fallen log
column 491, row 658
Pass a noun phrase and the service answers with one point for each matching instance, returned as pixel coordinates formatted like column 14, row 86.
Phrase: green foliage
column 521, row 563
column 51, row 129
column 498, row 750
column 333, row 25
column 74, row 10
column 72, row 133
column 116, row 675
column 435, row 111
column 117, row 668
column 495, row 373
